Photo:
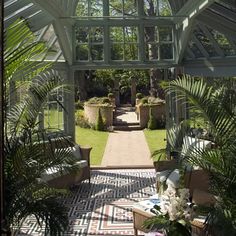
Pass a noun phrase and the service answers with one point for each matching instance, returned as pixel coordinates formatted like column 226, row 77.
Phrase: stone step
column 124, row 123
column 127, row 127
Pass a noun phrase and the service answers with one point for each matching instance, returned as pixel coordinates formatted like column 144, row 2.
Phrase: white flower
column 164, row 207
column 184, row 193
column 162, row 179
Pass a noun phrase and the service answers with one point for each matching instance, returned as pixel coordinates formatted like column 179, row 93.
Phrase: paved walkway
column 127, row 148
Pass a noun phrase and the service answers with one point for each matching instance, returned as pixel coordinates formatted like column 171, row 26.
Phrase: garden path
column 126, row 148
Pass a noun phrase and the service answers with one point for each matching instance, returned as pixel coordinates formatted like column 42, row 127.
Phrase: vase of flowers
column 173, row 215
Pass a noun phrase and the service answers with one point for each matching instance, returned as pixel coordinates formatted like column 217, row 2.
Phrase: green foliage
column 79, row 105
column 139, row 95
column 100, row 126
column 105, row 100
column 153, row 100
column 99, row 101
column 28, row 151
column 163, row 223
column 152, row 122
column 215, row 103
column 110, row 95
column 104, row 81
column 81, row 120
column 144, row 100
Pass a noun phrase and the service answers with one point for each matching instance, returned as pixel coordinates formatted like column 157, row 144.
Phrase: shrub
column 105, row 100
column 153, row 100
column 110, row 95
column 79, row 105
column 100, row 100
column 152, row 123
column 139, row 95
column 94, row 100
column 81, row 120
column 144, row 100
column 99, row 123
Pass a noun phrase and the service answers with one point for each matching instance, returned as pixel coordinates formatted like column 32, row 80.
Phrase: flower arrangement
column 173, row 215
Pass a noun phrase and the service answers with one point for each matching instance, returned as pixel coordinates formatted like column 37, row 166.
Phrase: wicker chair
column 64, row 179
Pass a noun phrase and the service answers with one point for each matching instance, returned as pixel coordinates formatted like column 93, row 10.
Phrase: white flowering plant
column 173, row 215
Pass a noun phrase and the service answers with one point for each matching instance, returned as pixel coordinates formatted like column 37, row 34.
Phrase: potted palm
column 26, row 154
column 215, row 102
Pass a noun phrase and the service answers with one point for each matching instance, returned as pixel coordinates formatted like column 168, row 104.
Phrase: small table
column 141, row 212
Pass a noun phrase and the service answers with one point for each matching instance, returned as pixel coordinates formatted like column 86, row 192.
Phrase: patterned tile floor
column 103, row 207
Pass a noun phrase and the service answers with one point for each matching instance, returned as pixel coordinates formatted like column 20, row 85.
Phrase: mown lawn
column 155, row 139
column 96, row 139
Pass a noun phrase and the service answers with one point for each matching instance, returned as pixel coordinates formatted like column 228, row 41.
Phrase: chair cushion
column 173, row 179
column 56, row 172
column 161, row 176
column 76, row 152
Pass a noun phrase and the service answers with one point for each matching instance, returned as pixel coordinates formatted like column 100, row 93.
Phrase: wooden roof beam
column 54, row 9
column 190, row 9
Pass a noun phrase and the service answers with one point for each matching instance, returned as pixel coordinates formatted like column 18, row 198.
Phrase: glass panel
column 164, row 8
column 130, row 7
column 131, row 34
column 116, row 8
column 82, row 52
column 117, row 52
column 151, row 34
column 97, row 52
column 82, row 8
column 166, row 51
column 206, row 43
column 116, row 34
column 150, row 8
column 165, row 33
column 152, row 51
column 53, row 118
column 157, row 8
column 49, row 34
column 82, row 34
column 195, row 49
column 96, row 34
column 53, row 111
column 223, row 42
column 131, row 52
column 96, row 8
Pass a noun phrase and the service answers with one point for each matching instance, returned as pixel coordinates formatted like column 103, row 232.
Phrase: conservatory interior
column 46, row 44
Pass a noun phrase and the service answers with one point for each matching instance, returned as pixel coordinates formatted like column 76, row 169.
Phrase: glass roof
column 196, row 29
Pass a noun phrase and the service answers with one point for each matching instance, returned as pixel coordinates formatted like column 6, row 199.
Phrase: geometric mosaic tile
column 103, row 207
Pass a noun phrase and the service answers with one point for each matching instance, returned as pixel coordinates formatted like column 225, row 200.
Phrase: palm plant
column 215, row 103
column 29, row 151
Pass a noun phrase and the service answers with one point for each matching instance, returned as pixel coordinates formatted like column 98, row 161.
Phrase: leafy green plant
column 81, row 120
column 99, row 122
column 215, row 103
column 79, row 105
column 144, row 100
column 110, row 95
column 105, row 100
column 99, row 101
column 28, row 150
column 173, row 215
column 139, row 95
